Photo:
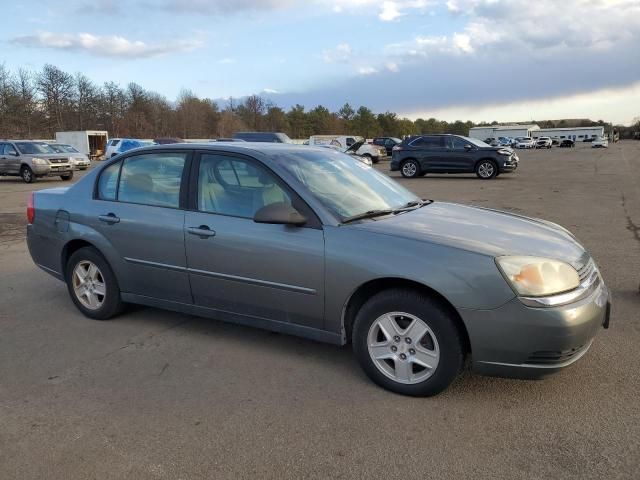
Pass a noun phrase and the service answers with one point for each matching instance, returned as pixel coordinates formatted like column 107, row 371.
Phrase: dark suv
column 271, row 137
column 387, row 142
column 419, row 155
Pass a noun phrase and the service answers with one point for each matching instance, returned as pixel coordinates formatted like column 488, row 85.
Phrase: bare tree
column 56, row 88
column 27, row 100
column 86, row 101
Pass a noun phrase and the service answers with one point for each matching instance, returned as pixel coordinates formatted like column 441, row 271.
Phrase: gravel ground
column 154, row 394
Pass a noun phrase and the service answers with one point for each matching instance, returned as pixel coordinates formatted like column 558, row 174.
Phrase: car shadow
column 338, row 360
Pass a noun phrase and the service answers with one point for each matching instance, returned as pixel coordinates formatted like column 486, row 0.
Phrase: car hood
column 482, row 230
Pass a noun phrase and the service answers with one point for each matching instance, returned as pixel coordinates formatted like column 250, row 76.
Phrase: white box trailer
column 89, row 142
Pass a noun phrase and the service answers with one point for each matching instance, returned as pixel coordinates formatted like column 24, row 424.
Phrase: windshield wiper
column 369, row 214
column 412, row 205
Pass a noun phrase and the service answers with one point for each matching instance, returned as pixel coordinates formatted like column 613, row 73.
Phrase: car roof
column 237, row 147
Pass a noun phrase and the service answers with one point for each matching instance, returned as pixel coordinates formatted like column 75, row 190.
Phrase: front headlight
column 504, row 152
column 538, row 277
column 39, row 161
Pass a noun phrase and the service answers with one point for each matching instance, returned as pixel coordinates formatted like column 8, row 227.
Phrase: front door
column 138, row 211
column 258, row 271
column 460, row 157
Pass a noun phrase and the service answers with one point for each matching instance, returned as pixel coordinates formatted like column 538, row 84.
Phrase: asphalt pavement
column 160, row 395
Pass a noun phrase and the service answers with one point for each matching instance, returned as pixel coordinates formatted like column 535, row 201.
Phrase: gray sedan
column 311, row 242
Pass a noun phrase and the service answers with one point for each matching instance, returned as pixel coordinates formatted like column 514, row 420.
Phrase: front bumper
column 529, row 342
column 52, row 170
column 510, row 165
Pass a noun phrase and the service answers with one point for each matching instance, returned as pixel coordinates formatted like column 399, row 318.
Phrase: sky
column 479, row 60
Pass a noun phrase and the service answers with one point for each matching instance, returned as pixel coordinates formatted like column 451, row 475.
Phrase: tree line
column 38, row 104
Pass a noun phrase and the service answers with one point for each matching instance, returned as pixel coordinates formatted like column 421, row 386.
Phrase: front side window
column 152, row 179
column 457, row 143
column 344, row 185
column 236, row 187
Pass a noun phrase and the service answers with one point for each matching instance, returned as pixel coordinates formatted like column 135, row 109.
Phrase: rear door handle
column 109, row 218
column 202, row 231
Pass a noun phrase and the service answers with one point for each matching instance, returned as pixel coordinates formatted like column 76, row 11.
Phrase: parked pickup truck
column 31, row 160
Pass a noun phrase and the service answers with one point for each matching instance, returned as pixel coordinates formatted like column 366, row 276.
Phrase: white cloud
column 104, row 46
column 340, row 54
column 227, row 60
column 389, row 12
column 269, row 90
column 614, row 105
column 367, row 70
column 392, row 66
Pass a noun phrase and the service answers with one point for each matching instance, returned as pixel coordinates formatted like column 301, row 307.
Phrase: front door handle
column 203, row 231
column 109, row 218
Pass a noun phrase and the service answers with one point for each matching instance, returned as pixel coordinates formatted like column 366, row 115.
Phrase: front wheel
column 486, row 169
column 93, row 285
column 408, row 343
column 67, row 177
column 27, row 175
column 410, row 169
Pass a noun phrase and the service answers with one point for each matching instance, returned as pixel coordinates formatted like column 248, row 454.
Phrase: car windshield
column 344, row 185
column 64, row 148
column 31, row 148
column 476, row 142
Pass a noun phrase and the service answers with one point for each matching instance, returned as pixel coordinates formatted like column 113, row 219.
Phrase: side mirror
column 468, row 147
column 279, row 213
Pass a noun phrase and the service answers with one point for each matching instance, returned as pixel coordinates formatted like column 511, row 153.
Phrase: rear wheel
column 26, row 174
column 408, row 343
column 410, row 168
column 486, row 169
column 92, row 284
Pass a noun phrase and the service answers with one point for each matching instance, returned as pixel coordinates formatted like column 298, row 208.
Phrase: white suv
column 343, row 142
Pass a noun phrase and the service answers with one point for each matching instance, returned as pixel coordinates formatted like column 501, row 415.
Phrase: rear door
column 428, row 150
column 255, row 271
column 138, row 210
column 11, row 159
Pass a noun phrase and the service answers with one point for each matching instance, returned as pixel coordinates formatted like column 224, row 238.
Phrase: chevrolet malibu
column 311, row 242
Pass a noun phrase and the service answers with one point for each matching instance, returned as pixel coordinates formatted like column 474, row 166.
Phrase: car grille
column 58, row 160
column 550, row 357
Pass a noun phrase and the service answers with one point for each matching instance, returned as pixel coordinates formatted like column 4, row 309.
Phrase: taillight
column 31, row 211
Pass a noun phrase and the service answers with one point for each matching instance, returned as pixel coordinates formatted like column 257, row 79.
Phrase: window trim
column 184, row 179
column 313, row 221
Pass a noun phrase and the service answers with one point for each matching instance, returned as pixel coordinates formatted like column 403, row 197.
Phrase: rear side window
column 113, row 143
column 429, row 142
column 152, row 179
column 108, row 182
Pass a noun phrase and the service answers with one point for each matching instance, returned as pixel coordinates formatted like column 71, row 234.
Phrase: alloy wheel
column 486, row 170
column 403, row 347
column 409, row 169
column 89, row 285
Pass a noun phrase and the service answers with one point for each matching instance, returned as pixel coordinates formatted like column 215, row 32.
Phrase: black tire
column 410, row 168
column 67, row 177
column 439, row 321
column 27, row 174
column 112, row 303
column 485, row 166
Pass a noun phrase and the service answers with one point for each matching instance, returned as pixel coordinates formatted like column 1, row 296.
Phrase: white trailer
column 497, row 131
column 89, row 142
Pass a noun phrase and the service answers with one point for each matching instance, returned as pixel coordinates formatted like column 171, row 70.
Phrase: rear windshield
column 31, row 148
